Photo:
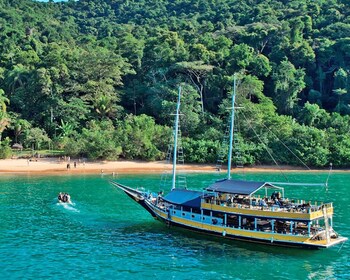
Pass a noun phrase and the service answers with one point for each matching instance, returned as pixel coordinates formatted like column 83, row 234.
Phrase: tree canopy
column 99, row 78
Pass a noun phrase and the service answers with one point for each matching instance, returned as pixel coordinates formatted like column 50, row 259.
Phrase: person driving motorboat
column 64, row 198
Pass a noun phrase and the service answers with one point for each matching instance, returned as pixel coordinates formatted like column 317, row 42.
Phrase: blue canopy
column 236, row 186
column 184, row 197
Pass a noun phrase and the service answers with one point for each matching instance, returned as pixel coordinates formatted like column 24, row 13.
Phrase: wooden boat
column 241, row 210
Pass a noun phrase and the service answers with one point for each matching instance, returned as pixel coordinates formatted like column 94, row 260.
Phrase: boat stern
column 321, row 244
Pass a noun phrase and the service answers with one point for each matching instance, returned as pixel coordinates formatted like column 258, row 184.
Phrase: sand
column 57, row 166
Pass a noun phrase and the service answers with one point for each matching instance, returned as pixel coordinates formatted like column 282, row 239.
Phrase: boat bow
column 138, row 195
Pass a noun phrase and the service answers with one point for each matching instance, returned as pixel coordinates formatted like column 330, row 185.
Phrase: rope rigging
column 265, row 146
column 300, row 160
column 284, row 145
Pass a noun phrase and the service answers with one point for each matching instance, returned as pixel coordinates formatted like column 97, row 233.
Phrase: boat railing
column 283, row 205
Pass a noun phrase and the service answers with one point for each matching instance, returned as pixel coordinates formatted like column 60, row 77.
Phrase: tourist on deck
column 230, row 200
column 159, row 197
column 262, row 203
column 277, row 202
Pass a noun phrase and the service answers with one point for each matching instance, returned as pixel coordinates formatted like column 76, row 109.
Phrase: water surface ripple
column 106, row 235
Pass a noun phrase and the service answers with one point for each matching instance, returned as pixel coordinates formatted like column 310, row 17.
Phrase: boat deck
column 298, row 211
column 325, row 244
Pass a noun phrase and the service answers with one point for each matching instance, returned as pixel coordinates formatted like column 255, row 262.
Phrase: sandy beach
column 57, row 166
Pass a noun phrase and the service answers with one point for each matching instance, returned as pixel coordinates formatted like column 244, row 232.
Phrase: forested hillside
column 100, row 78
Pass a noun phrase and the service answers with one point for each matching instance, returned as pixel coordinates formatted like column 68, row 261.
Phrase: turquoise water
column 105, row 235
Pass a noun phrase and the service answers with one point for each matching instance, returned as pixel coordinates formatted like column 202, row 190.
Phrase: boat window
column 206, row 212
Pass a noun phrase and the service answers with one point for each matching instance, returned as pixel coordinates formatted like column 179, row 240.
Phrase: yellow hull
column 272, row 238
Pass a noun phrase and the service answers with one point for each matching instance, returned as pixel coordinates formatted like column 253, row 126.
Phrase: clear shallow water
column 104, row 235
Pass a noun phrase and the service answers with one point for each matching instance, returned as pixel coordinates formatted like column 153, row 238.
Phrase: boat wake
column 68, row 206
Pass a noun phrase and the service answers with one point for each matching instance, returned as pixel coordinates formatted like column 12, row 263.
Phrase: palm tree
column 19, row 127
column 104, row 105
column 16, row 78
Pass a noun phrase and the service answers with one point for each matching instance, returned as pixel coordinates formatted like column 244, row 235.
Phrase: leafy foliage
column 5, row 149
column 141, row 138
column 99, row 77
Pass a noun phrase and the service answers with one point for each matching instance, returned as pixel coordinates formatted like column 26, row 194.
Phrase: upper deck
column 243, row 198
column 292, row 211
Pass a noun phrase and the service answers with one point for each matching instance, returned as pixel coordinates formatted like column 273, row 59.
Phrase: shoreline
column 54, row 166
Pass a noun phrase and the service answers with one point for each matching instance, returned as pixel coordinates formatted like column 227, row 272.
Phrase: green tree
column 36, row 138
column 197, row 72
column 5, row 149
column 312, row 115
column 141, row 138
column 288, row 83
column 4, row 118
column 98, row 141
column 20, row 126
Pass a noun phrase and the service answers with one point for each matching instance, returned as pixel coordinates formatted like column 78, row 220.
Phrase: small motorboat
column 64, row 198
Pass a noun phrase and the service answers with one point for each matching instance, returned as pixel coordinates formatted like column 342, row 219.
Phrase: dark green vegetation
column 99, row 78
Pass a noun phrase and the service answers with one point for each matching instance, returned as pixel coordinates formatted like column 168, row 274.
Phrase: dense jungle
column 99, row 79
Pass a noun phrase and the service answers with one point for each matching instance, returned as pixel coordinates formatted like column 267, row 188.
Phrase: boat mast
column 231, row 128
column 176, row 129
